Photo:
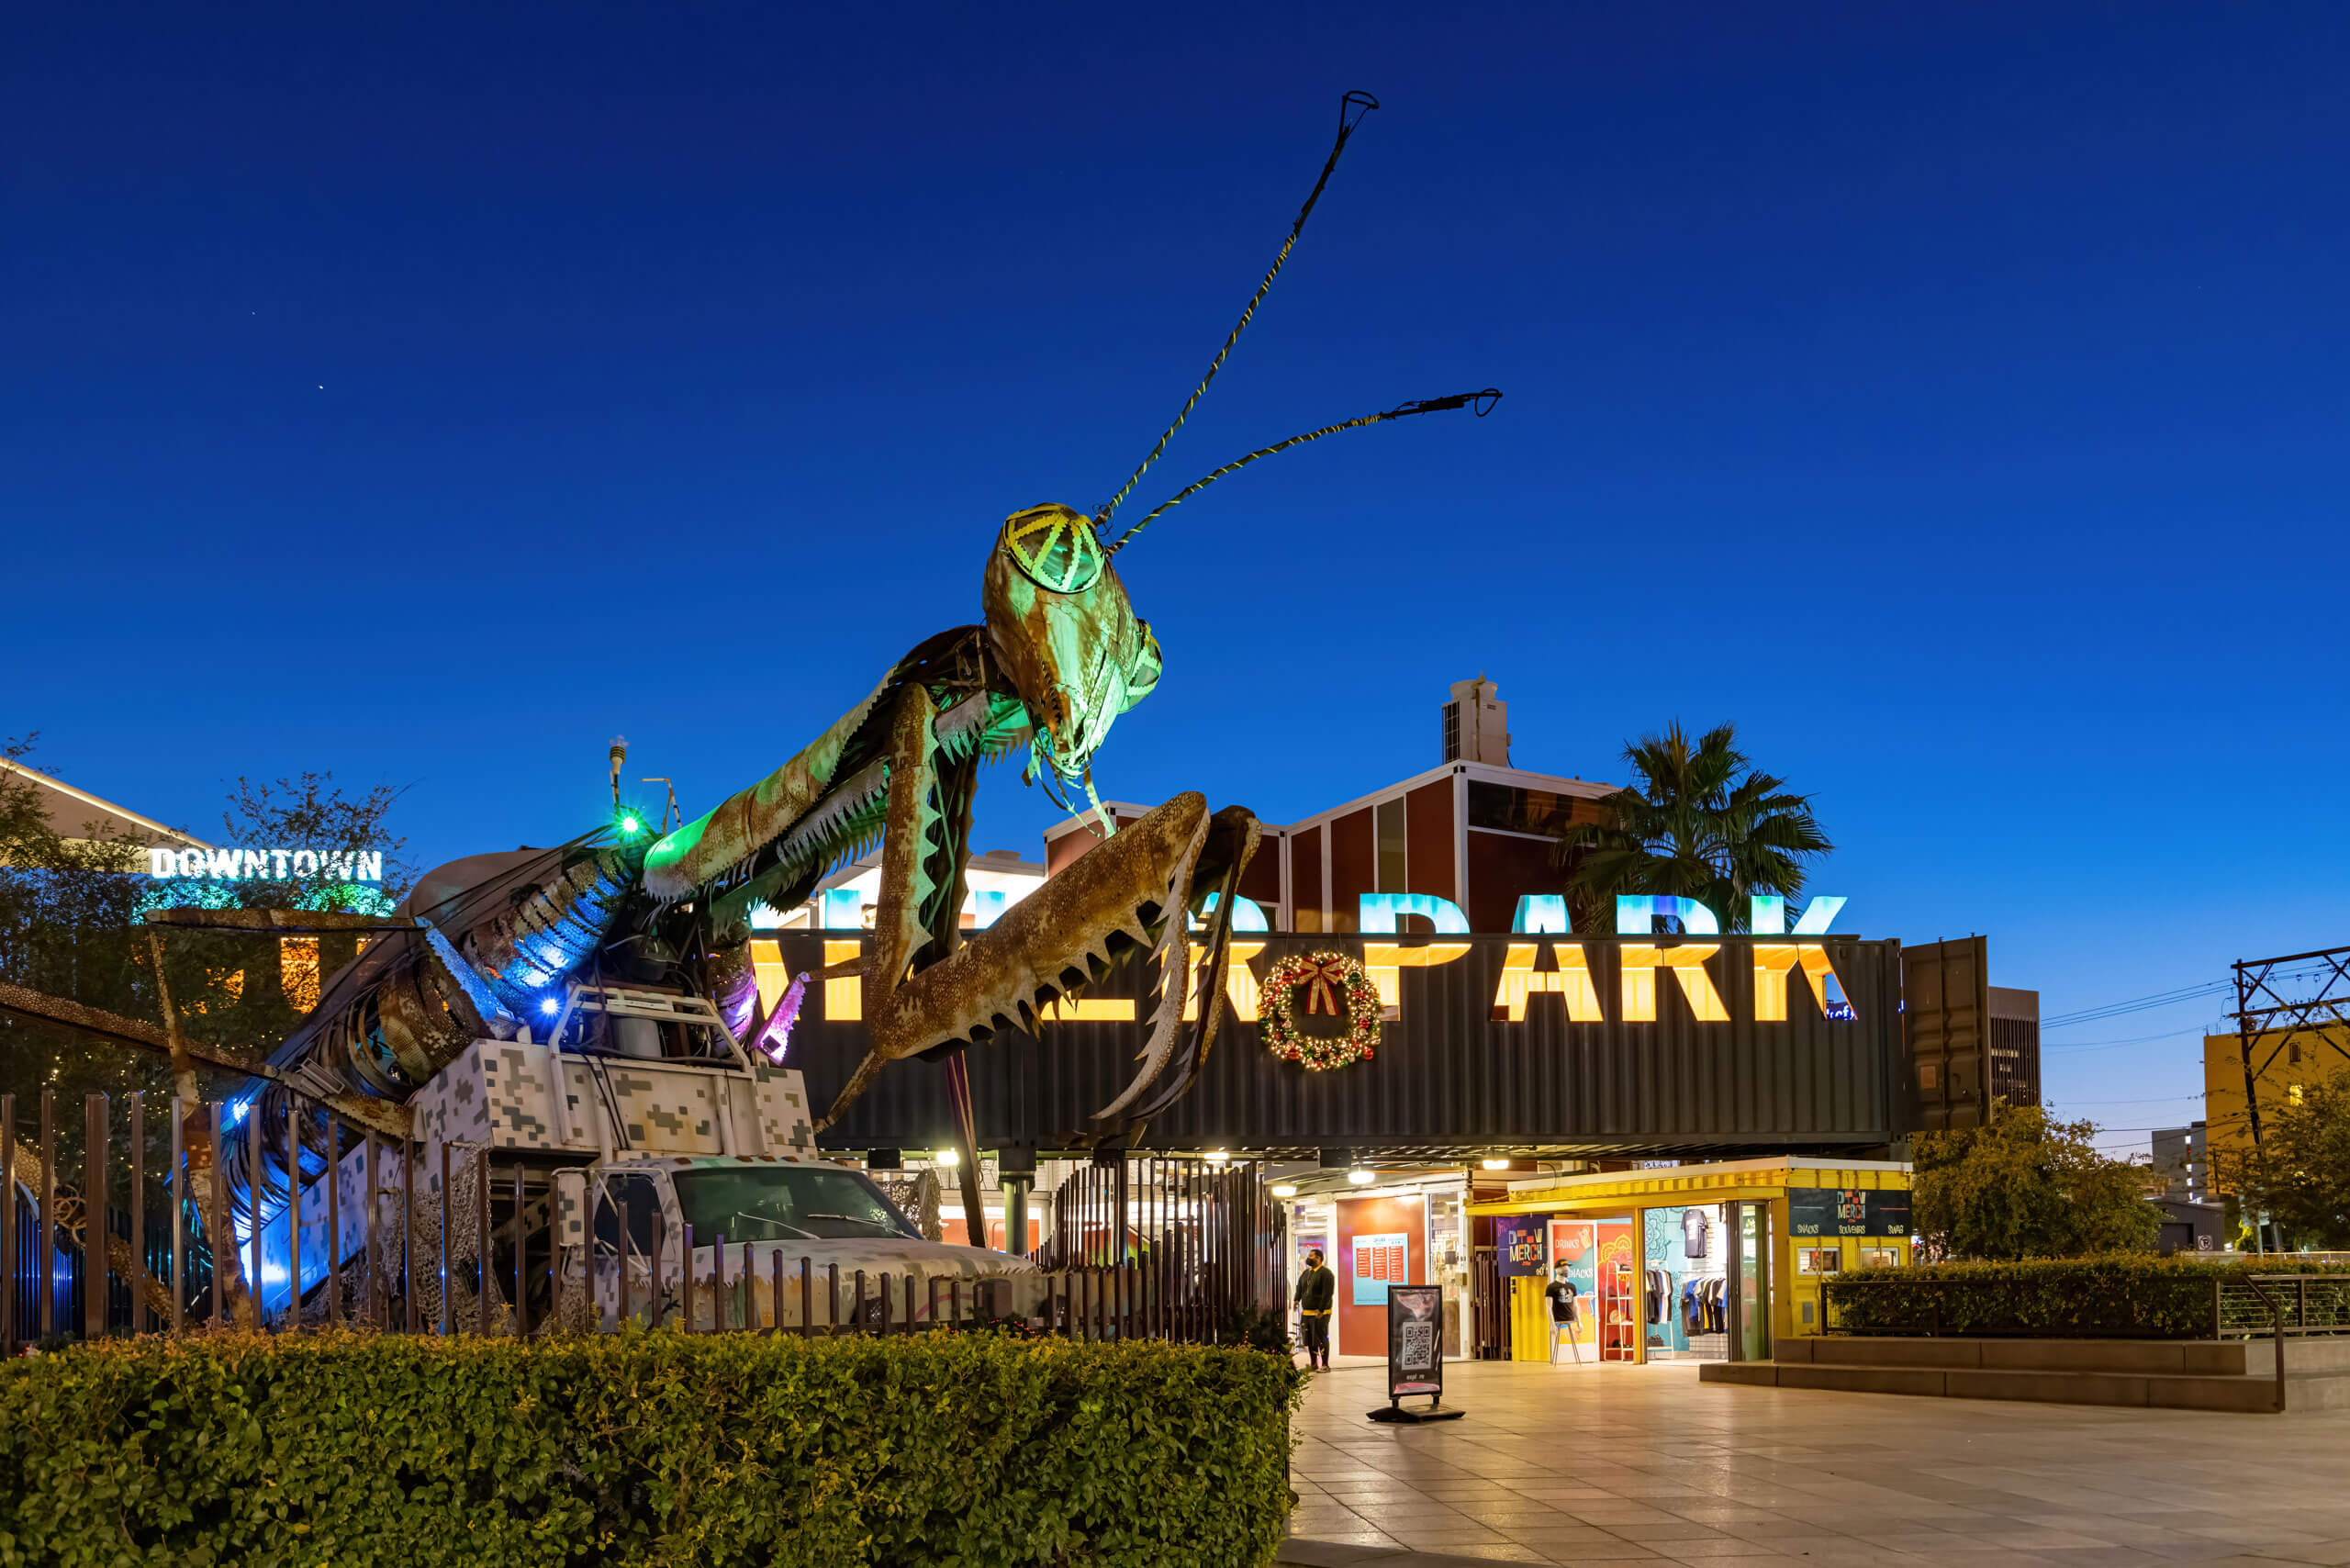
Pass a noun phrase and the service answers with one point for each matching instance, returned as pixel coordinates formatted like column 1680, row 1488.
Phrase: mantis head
column 1062, row 628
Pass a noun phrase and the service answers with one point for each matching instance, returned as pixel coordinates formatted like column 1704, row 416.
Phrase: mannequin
column 1565, row 1313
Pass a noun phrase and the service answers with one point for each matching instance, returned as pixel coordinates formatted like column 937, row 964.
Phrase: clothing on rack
column 1692, row 1307
column 1656, row 1295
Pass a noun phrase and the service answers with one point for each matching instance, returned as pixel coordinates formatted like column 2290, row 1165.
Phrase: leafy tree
column 2299, row 1175
column 1700, row 823
column 68, row 911
column 2027, row 1186
column 70, row 927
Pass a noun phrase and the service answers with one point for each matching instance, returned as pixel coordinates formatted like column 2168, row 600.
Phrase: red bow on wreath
column 1319, row 979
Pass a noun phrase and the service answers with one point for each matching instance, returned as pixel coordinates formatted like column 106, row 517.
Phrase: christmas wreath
column 1333, row 982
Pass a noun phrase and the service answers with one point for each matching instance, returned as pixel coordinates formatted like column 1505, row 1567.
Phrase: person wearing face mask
column 1317, row 1287
column 1565, row 1314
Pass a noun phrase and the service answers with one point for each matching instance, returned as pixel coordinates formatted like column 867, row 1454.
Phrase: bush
column 2121, row 1295
column 660, row 1448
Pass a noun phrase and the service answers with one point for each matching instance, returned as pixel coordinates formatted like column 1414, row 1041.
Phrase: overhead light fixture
column 1362, row 1176
column 949, row 1157
column 1285, row 1189
column 1492, row 1164
column 1218, row 1156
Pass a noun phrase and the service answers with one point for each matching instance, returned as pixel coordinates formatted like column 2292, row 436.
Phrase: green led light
column 630, row 826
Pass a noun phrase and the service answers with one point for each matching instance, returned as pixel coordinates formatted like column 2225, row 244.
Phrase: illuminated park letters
column 1527, row 971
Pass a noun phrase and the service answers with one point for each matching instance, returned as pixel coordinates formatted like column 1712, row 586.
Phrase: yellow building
column 2284, row 1063
column 1783, row 1224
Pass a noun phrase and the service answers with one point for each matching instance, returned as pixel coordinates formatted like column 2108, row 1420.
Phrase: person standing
column 1317, row 1289
column 1564, row 1315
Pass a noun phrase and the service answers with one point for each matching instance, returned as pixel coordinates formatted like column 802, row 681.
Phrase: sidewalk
column 1644, row 1464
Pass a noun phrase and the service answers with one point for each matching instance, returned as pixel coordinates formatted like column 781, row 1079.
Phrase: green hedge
column 2121, row 1295
column 644, row 1448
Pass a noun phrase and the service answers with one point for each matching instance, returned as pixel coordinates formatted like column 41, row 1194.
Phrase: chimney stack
column 1476, row 723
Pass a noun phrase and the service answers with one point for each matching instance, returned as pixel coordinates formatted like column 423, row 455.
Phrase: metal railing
column 2190, row 1307
column 338, row 1224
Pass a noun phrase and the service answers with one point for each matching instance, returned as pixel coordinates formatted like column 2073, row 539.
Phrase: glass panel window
column 786, row 1203
column 1511, row 810
column 1388, row 825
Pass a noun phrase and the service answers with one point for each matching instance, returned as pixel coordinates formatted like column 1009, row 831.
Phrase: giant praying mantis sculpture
column 1058, row 657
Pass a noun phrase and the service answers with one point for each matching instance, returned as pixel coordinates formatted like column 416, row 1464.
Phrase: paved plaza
column 1646, row 1464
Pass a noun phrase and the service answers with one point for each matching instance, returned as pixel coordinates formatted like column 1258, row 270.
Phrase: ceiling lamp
column 949, row 1157
column 1362, row 1176
column 1497, row 1163
column 1285, row 1189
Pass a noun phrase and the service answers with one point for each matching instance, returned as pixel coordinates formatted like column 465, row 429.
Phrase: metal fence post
column 138, row 1212
column 483, row 1270
column 45, row 1265
column 334, row 1220
column 685, row 1276
column 521, row 1256
column 94, row 1228
column 409, row 1303
column 294, row 1211
column 220, row 1237
column 8, row 1225
column 448, row 1214
column 178, row 1186
column 254, row 1186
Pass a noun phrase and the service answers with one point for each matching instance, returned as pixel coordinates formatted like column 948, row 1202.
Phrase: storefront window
column 1509, row 810
column 1686, row 1306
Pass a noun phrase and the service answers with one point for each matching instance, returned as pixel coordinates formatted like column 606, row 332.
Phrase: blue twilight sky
column 1954, row 396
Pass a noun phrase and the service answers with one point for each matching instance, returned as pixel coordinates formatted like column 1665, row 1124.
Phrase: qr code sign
column 1419, row 1345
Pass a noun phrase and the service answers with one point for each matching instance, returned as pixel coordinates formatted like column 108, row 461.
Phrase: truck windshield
column 786, row 1203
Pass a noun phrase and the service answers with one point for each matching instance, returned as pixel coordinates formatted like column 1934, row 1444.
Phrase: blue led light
column 1540, row 913
column 550, row 1007
column 1375, row 914
column 1636, row 912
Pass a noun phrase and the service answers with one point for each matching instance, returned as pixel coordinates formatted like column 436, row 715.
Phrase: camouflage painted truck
column 630, row 1160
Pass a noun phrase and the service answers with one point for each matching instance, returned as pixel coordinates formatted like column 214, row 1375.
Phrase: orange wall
column 1362, row 1330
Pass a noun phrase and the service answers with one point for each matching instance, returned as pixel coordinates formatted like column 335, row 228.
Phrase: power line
column 2138, row 1004
column 2133, row 1040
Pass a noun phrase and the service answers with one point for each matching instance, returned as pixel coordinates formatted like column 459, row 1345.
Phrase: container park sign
column 1562, row 969
column 248, row 865
column 1733, row 1052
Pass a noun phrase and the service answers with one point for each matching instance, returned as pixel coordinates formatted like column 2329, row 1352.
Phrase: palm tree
column 1700, row 823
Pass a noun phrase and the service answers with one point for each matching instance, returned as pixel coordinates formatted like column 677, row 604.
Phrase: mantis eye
column 1054, row 548
column 1143, row 674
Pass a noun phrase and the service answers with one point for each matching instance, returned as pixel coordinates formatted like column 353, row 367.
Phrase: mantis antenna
column 1351, row 108
column 1480, row 402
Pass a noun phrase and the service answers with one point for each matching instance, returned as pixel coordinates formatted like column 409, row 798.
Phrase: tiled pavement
column 1646, row 1464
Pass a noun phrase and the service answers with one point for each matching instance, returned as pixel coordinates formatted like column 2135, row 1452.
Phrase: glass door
column 1753, row 1262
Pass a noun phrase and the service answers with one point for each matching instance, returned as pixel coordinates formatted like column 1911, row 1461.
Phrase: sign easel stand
column 1415, row 1356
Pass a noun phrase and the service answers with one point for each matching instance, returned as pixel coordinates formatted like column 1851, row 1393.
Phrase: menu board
column 1381, row 1260
column 1847, row 1211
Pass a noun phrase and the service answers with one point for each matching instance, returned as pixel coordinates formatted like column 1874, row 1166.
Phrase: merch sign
column 1847, row 1211
column 1518, row 1244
